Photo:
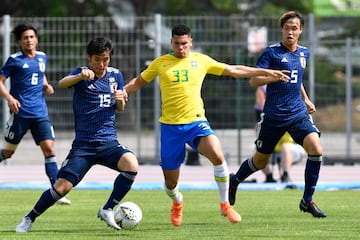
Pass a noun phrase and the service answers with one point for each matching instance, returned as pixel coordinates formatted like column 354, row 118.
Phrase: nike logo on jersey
column 284, row 60
column 25, row 65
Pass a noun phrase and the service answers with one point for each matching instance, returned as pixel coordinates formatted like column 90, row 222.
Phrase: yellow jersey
column 286, row 138
column 180, row 85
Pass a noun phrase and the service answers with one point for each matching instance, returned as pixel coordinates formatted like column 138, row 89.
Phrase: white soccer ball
column 128, row 215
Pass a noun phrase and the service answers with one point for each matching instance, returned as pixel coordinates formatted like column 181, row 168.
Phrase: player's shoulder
column 300, row 47
column 17, row 54
column 303, row 50
column 40, row 53
column 274, row 45
column 273, row 48
column 113, row 70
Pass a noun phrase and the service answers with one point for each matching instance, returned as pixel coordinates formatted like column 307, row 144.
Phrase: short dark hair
column 19, row 29
column 291, row 14
column 99, row 45
column 180, row 29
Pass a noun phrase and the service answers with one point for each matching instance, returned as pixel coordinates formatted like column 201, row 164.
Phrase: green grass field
column 266, row 215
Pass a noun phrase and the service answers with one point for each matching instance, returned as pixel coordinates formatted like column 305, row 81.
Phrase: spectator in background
column 26, row 101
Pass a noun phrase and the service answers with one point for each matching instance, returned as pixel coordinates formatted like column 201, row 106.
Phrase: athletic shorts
column 40, row 128
column 174, row 138
column 270, row 131
column 84, row 155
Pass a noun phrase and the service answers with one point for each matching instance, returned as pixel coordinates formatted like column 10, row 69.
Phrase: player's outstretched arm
column 241, row 71
column 135, row 84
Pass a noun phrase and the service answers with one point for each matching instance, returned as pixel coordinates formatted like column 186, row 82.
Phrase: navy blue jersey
column 283, row 100
column 26, row 83
column 94, row 106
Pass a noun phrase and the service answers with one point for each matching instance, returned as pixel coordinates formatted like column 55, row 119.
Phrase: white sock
column 174, row 194
column 221, row 173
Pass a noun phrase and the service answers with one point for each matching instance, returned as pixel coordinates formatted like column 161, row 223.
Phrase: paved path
column 152, row 173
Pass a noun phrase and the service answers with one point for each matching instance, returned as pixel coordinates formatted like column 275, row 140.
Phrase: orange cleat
column 176, row 213
column 229, row 212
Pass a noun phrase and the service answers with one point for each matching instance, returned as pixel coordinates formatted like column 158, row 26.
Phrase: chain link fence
column 229, row 102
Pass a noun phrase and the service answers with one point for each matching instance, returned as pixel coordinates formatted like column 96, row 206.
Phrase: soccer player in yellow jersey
column 181, row 74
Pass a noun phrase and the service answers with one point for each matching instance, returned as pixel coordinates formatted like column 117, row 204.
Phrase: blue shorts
column 16, row 127
column 174, row 139
column 270, row 131
column 84, row 155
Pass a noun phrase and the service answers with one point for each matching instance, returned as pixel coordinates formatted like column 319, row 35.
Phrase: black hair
column 291, row 14
column 180, row 29
column 99, row 45
column 19, row 29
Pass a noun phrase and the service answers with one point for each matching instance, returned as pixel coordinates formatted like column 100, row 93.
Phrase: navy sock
column 51, row 169
column 46, row 200
column 246, row 169
column 122, row 185
column 312, row 170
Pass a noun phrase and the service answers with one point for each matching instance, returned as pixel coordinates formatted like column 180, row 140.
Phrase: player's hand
column 280, row 75
column 87, row 74
column 126, row 96
column 14, row 105
column 49, row 89
column 310, row 106
column 119, row 95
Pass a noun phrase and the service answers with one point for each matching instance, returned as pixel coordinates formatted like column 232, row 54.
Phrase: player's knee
column 314, row 150
column 128, row 162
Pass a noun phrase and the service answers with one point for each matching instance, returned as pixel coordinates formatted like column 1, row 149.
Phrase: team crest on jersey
column 193, row 63
column 41, row 65
column 302, row 60
column 113, row 84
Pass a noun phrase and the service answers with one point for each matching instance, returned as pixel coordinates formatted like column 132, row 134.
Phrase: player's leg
column 313, row 147
column 171, row 187
column 268, row 171
column 210, row 147
column 43, row 134
column 46, row 200
column 309, row 136
column 268, row 137
column 15, row 129
column 173, row 150
column 71, row 173
column 286, row 161
column 122, row 159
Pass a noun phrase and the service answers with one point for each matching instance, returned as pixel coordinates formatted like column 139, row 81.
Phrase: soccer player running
column 183, row 118
column 98, row 94
column 26, row 101
column 287, row 108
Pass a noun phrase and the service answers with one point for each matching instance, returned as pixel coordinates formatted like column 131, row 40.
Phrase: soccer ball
column 128, row 215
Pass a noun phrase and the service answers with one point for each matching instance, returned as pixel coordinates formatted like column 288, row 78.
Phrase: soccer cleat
column 176, row 213
column 229, row 212
column 24, row 226
column 63, row 201
column 285, row 178
column 107, row 215
column 232, row 189
column 312, row 208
